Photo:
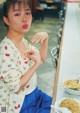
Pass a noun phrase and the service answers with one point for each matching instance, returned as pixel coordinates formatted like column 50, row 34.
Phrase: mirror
column 47, row 21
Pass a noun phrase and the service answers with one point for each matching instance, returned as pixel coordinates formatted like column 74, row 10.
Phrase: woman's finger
column 36, row 37
column 29, row 53
column 38, row 40
column 32, row 57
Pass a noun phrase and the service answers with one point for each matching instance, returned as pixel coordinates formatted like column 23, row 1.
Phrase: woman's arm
column 26, row 77
column 41, row 37
column 43, row 49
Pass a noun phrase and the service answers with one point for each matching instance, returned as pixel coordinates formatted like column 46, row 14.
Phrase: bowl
column 72, row 87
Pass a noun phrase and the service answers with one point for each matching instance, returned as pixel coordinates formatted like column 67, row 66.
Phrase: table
column 69, row 57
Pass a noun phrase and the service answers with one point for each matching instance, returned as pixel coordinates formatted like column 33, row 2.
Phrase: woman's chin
column 24, row 31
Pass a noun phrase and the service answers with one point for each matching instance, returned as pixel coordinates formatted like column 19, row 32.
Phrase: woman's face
column 19, row 18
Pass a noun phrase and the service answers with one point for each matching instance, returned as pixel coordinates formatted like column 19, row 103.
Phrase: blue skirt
column 36, row 102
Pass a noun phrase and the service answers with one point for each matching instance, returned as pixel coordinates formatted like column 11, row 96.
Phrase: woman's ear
column 6, row 20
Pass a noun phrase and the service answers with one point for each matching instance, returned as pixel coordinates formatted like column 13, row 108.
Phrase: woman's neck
column 15, row 37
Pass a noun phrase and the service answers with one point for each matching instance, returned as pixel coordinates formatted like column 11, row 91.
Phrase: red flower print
column 1, row 77
column 16, row 107
column 26, row 62
column 7, row 54
column 27, row 86
column 6, row 47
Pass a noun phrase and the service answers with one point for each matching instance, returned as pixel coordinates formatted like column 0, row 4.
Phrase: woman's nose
column 24, row 18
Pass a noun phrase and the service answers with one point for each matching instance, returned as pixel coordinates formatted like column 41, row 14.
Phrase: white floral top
column 12, row 67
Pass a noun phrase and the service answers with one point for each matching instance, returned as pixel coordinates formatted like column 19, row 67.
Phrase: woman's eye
column 28, row 13
column 17, row 14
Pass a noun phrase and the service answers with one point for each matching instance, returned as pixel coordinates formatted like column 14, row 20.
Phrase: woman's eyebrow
column 27, row 9
column 19, row 10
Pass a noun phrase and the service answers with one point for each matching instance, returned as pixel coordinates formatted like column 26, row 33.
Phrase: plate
column 58, row 109
column 57, row 103
column 72, row 91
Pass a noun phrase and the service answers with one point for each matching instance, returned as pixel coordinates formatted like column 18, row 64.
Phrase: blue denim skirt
column 36, row 102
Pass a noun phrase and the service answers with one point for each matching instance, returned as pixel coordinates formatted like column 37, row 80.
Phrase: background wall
column 1, row 1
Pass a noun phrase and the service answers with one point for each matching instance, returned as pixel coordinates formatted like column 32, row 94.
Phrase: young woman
column 19, row 61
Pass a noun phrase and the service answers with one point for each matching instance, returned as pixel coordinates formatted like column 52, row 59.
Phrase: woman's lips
column 25, row 26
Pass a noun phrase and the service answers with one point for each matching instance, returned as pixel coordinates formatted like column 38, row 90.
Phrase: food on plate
column 73, row 84
column 71, row 104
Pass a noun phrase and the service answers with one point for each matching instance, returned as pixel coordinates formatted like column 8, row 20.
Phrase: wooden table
column 69, row 57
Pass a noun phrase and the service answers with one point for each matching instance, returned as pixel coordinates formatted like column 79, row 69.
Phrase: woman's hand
column 34, row 56
column 39, row 37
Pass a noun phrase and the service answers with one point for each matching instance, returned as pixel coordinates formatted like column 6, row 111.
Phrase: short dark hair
column 8, row 3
